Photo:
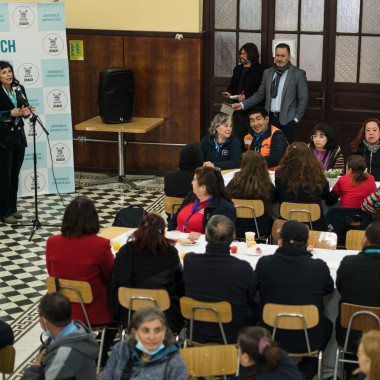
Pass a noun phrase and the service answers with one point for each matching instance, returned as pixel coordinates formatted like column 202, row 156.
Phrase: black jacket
column 228, row 156
column 218, row 276
column 250, row 83
column 358, row 281
column 178, row 183
column 217, row 205
column 292, row 277
column 142, row 269
column 372, row 160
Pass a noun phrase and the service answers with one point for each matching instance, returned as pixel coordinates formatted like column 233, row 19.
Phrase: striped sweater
column 371, row 204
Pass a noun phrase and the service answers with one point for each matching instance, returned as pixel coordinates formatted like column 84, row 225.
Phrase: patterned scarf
column 371, row 148
column 276, row 80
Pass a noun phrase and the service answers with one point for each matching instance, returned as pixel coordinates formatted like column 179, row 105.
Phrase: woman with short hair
column 261, row 359
column 209, row 197
column 221, row 149
column 148, row 353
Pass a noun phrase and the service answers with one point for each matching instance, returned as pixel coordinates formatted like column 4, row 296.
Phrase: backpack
column 130, row 216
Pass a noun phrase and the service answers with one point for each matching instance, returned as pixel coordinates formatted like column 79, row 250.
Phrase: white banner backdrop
column 33, row 40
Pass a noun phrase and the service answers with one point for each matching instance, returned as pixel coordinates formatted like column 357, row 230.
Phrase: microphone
column 21, row 94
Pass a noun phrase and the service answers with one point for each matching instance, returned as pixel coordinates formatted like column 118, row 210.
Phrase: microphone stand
column 36, row 224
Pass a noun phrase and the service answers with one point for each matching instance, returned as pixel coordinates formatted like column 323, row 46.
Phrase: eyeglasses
column 315, row 136
column 242, row 53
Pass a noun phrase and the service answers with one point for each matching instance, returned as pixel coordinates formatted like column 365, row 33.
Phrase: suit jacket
column 10, row 135
column 294, row 95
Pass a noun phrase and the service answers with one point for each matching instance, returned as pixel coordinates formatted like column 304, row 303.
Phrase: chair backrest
column 7, row 359
column 354, row 239
column 172, row 204
column 136, row 298
column 322, row 239
column 276, row 228
column 288, row 317
column 303, row 212
column 203, row 311
column 363, row 318
column 248, row 208
column 73, row 290
column 214, row 360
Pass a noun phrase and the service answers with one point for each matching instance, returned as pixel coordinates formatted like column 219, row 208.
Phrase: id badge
column 17, row 120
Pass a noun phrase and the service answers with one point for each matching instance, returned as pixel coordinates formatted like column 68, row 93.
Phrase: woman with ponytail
column 261, row 359
column 353, row 187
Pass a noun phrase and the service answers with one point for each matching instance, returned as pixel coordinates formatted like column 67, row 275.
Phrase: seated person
column 253, row 182
column 292, row 277
column 358, row 280
column 264, row 138
column 218, row 276
column 369, row 355
column 209, row 197
column 149, row 352
column 149, row 261
column 6, row 334
column 178, row 183
column 353, row 187
column 261, row 359
column 301, row 179
column 70, row 351
column 371, row 204
column 324, row 145
column 221, row 149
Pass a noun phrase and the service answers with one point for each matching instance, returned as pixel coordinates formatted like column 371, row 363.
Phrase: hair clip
column 263, row 343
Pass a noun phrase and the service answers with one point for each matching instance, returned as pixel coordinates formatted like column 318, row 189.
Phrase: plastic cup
column 233, row 249
column 250, row 239
column 116, row 246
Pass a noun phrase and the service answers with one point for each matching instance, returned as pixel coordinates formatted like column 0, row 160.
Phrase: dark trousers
column 241, row 127
column 11, row 161
column 288, row 129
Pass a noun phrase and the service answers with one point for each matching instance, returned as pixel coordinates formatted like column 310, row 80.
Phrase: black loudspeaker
column 116, row 95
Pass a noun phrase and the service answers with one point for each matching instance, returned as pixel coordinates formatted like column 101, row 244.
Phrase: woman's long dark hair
column 80, row 218
column 253, row 181
column 358, row 166
column 257, row 343
column 213, row 180
column 361, row 134
column 300, row 169
column 332, row 140
column 4, row 65
column 150, row 235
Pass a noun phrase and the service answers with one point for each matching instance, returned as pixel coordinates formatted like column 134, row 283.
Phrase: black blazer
column 10, row 134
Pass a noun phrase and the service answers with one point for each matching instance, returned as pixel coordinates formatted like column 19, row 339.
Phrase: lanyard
column 218, row 146
column 11, row 96
column 195, row 209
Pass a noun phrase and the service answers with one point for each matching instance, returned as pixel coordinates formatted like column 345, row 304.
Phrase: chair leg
column 100, row 351
column 320, row 365
column 336, row 363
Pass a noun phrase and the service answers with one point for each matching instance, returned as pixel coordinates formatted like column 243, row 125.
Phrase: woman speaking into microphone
column 12, row 142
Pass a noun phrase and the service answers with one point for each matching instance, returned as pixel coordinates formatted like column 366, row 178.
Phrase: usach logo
column 23, row 17
column 53, row 44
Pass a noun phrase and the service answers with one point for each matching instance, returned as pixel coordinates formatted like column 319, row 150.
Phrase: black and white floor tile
column 22, row 261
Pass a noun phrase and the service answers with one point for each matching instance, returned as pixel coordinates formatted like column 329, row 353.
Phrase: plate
column 189, row 244
column 252, row 252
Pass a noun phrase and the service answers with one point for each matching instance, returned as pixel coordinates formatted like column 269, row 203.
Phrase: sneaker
column 17, row 215
column 10, row 220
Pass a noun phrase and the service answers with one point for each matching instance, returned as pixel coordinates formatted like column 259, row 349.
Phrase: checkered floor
column 22, row 262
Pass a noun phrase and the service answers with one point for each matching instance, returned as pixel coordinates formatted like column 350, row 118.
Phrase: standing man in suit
column 284, row 88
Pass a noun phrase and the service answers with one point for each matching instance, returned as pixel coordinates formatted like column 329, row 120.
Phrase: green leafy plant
column 333, row 173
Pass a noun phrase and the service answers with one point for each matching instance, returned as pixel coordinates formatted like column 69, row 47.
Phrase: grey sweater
column 166, row 365
column 71, row 357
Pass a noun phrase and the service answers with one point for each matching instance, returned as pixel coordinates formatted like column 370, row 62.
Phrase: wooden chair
column 303, row 212
column 7, row 360
column 276, row 228
column 354, row 239
column 355, row 317
column 135, row 298
column 216, row 312
column 322, row 239
column 79, row 292
column 249, row 208
column 172, row 204
column 294, row 317
column 219, row 360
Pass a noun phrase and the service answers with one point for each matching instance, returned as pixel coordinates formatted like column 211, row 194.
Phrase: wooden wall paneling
column 100, row 52
column 168, row 84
